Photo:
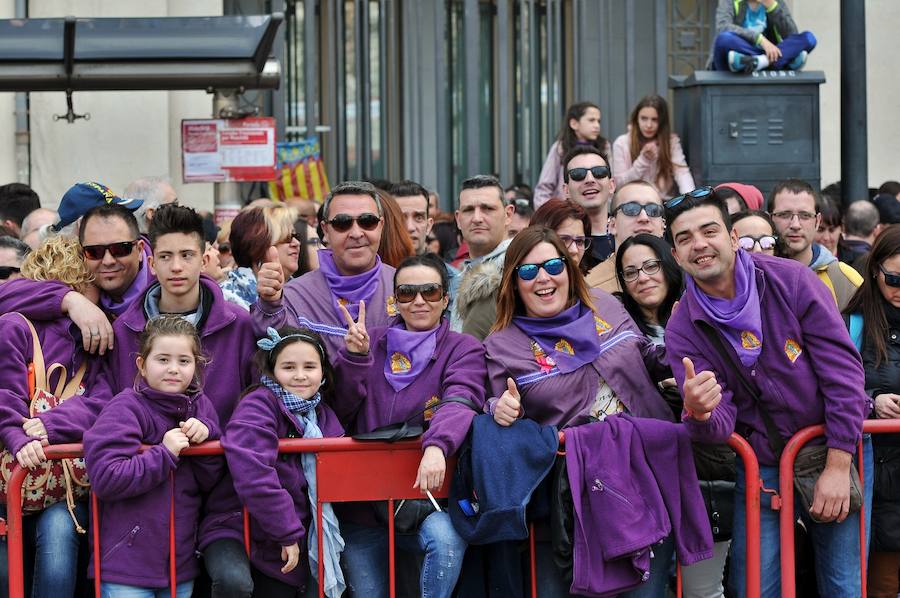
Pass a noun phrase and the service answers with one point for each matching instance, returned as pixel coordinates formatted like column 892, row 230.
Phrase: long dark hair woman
column 650, row 152
column 581, row 126
column 874, row 318
column 651, row 282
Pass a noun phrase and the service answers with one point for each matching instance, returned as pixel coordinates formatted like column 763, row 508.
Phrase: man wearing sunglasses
column 792, row 206
column 756, row 337
column 483, row 218
column 587, row 181
column 113, row 251
column 350, row 272
column 12, row 254
column 636, row 208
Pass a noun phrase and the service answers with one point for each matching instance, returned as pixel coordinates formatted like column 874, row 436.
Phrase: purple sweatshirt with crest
column 136, row 488
column 457, row 369
column 272, row 486
column 809, row 371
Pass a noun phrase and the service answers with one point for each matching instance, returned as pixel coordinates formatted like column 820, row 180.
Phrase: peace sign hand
column 357, row 339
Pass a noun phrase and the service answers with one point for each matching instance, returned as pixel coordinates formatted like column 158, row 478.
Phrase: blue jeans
column 118, row 590
column 836, row 545
column 550, row 583
column 365, row 557
column 790, row 47
column 51, row 537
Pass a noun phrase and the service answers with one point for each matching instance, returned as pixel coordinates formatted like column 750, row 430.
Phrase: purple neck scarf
column 569, row 338
column 408, row 352
column 349, row 290
column 138, row 286
column 738, row 319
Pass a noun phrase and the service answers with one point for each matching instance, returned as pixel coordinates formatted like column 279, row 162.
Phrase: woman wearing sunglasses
column 650, row 151
column 253, row 232
column 755, row 231
column 874, row 316
column 571, row 224
column 562, row 354
column 403, row 373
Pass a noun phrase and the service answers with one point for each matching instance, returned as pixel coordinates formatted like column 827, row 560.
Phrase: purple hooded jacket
column 457, row 369
column 809, row 371
column 633, row 482
column 226, row 337
column 59, row 345
column 135, row 488
column 629, row 363
column 306, row 301
column 272, row 487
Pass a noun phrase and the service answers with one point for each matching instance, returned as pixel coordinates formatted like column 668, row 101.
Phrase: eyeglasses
column 765, row 242
column 552, row 267
column 598, row 172
column 633, row 208
column 7, row 271
column 117, row 250
column 891, row 280
column 289, row 238
column 650, row 267
column 344, row 222
column 580, row 242
column 224, row 248
column 787, row 216
column 698, row 193
column 406, row 293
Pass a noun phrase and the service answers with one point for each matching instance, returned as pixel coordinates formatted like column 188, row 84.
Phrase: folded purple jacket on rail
column 633, row 483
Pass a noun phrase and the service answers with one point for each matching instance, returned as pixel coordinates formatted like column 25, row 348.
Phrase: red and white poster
column 219, row 150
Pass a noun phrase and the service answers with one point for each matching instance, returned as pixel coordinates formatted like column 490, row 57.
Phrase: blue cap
column 82, row 197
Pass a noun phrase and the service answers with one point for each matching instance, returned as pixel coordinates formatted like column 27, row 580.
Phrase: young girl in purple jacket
column 280, row 491
column 167, row 411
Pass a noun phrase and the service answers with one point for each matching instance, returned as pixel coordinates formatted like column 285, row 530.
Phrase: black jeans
column 233, row 576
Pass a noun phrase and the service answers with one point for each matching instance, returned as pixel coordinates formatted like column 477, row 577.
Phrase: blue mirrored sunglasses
column 552, row 267
column 697, row 193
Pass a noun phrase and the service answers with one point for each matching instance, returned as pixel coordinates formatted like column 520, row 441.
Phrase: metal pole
column 226, row 196
column 471, row 85
column 854, row 120
column 23, row 133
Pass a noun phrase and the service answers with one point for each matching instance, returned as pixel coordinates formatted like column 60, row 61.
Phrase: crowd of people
column 644, row 316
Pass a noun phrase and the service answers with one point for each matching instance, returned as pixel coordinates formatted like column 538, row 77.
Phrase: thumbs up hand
column 509, row 406
column 701, row 392
column 270, row 277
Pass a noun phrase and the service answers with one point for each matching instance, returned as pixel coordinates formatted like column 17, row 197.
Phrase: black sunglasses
column 290, row 238
column 598, row 172
column 891, row 280
column 224, row 248
column 406, row 293
column 698, row 193
column 344, row 222
column 7, row 271
column 633, row 208
column 117, row 250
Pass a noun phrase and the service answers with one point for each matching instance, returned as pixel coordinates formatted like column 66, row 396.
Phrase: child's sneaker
column 740, row 63
column 797, row 63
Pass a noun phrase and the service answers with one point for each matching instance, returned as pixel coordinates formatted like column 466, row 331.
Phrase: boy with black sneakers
column 752, row 35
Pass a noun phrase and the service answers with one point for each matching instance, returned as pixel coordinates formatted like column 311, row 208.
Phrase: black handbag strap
column 468, row 403
column 776, row 440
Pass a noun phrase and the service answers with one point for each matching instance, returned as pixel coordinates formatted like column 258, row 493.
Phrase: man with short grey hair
column 861, row 227
column 155, row 191
column 12, row 254
column 39, row 219
column 350, row 273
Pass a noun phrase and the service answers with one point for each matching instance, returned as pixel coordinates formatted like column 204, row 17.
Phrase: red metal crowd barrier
column 347, row 471
column 786, row 484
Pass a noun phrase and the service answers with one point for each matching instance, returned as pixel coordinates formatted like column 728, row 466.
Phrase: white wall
column 822, row 17
column 130, row 134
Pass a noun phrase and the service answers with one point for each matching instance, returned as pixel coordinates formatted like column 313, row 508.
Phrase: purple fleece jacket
column 457, row 369
column 226, row 338
column 307, row 302
column 135, row 488
column 59, row 345
column 272, row 487
column 809, row 371
column 628, row 362
column 633, row 482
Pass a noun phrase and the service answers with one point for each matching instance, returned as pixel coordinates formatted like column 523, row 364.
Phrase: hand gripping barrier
column 347, row 471
column 786, row 485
